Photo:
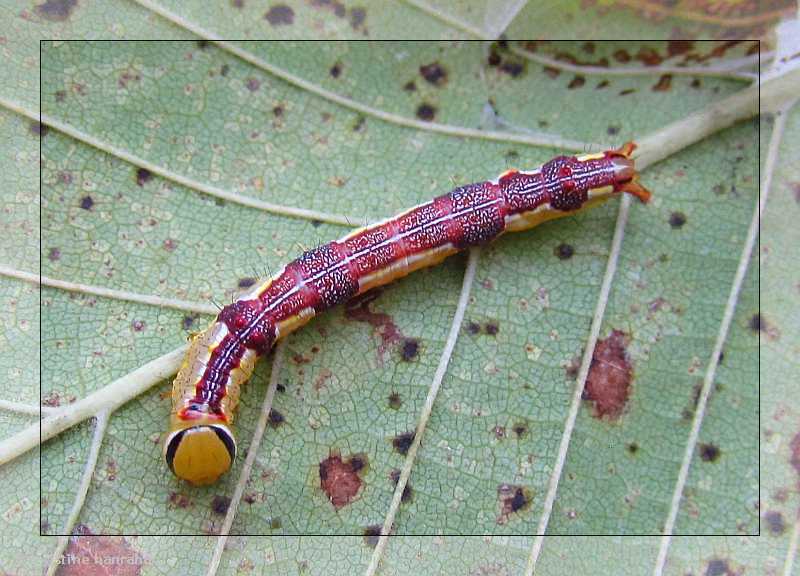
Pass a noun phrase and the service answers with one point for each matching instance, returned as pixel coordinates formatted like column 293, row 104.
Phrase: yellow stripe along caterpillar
column 201, row 445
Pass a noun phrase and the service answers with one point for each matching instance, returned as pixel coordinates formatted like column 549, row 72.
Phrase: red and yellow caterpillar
column 201, row 446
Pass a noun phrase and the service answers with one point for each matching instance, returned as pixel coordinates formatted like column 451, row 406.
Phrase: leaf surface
column 209, row 119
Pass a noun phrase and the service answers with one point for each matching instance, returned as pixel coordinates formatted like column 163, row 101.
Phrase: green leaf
column 178, row 171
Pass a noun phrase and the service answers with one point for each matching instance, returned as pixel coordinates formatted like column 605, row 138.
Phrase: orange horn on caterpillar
column 626, row 178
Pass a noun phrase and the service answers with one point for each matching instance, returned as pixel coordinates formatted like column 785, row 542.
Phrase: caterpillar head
column 199, row 451
column 575, row 182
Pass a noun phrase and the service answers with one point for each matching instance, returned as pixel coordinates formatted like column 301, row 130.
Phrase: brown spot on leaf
column 372, row 534
column 358, row 309
column 677, row 220
column 111, row 469
column 277, row 111
column 632, row 448
column 39, row 129
column 408, row 491
column 300, row 359
column 87, row 202
column 709, row 452
column 696, row 83
column 513, row 67
column 143, row 175
column 320, row 381
column 280, row 15
column 492, row 328
column 608, row 384
column 794, row 458
column 56, row 10
column 795, row 186
column 758, row 323
column 89, row 554
column 572, row 368
column 627, row 91
column 678, row 47
column 564, row 251
column 395, row 402
column 410, row 86
column 340, row 479
column 622, row 56
column 720, row 567
column 551, row 72
column 649, row 57
column 126, row 77
column 188, row 321
column 473, row 328
column 246, row 282
column 410, row 349
column 170, row 244
column 520, row 429
column 275, row 418
column 426, row 112
column 52, row 399
column 54, row 254
column 252, row 84
column 219, row 505
column 402, row 442
column 775, row 522
column 512, row 499
column 336, row 70
column 612, row 130
column 576, row 82
column 357, row 17
column 664, row 83
column 602, row 84
column 358, row 125
column 334, row 6
column 138, row 325
column 434, row 73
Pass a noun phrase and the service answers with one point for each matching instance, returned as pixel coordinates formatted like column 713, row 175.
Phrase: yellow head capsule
column 200, row 453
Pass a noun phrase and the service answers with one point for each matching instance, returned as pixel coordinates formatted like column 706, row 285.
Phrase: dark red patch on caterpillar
column 608, row 384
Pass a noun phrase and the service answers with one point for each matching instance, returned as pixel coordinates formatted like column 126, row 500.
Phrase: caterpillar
column 201, row 446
